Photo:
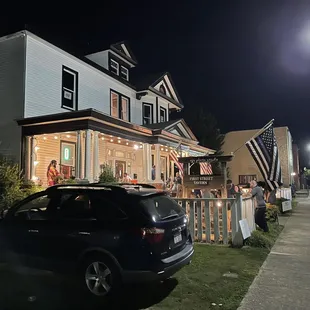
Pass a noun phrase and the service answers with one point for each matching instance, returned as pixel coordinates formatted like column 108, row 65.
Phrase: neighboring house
column 243, row 169
column 86, row 112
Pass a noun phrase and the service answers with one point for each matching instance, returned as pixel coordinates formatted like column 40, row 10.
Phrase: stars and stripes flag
column 264, row 151
column 206, row 169
column 174, row 157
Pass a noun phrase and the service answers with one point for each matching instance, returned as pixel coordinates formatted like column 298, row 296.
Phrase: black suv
column 105, row 234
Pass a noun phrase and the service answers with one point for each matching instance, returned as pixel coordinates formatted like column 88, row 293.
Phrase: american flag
column 174, row 156
column 206, row 169
column 264, row 151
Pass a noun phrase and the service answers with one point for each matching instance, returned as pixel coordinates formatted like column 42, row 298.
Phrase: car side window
column 35, row 209
column 106, row 209
column 75, row 206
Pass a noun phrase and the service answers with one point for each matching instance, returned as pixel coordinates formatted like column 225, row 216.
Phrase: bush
column 11, row 182
column 279, row 203
column 107, row 175
column 259, row 240
column 272, row 213
column 12, row 185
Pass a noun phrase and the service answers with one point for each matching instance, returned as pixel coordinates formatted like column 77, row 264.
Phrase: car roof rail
column 95, row 186
column 140, row 185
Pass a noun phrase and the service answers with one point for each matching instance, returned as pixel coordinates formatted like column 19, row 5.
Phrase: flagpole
column 256, row 134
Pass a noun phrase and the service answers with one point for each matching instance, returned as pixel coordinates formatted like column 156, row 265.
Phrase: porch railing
column 284, row 193
column 214, row 220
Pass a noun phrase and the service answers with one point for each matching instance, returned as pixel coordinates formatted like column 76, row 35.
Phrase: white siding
column 44, row 76
column 100, row 58
column 12, row 63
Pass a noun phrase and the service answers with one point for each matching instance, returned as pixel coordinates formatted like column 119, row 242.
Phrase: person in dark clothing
column 232, row 189
column 260, row 210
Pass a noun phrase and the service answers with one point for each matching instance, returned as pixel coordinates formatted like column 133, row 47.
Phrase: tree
column 204, row 126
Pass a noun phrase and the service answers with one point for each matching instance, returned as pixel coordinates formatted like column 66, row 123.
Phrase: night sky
column 245, row 61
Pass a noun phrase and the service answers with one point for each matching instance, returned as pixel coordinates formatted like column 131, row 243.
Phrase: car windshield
column 161, row 208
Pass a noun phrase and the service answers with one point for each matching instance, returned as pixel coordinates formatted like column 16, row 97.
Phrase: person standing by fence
column 260, row 210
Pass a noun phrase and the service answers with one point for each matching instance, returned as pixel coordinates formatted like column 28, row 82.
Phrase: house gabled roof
column 160, row 84
column 123, row 50
column 176, row 127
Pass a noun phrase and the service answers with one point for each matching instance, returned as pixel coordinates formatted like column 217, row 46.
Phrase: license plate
column 177, row 238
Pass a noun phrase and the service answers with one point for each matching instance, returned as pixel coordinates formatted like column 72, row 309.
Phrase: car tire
column 100, row 276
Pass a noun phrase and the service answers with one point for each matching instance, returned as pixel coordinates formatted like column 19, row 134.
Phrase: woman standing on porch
column 52, row 173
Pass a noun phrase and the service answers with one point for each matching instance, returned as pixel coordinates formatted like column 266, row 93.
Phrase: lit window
column 120, row 106
column 124, row 73
column 124, row 110
column 114, row 104
column 114, row 66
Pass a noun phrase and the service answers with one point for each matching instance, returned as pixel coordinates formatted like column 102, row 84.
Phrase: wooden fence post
column 237, row 238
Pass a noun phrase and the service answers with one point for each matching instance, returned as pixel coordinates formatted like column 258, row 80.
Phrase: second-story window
column 69, row 97
column 124, row 73
column 114, row 66
column 147, row 113
column 124, row 109
column 163, row 115
column 114, row 104
column 120, row 106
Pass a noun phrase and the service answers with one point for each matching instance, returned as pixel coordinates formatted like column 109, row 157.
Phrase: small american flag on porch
column 206, row 169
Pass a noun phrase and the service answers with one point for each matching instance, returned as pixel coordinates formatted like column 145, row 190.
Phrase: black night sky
column 245, row 61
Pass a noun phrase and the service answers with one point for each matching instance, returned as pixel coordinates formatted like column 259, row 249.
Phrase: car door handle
column 33, row 231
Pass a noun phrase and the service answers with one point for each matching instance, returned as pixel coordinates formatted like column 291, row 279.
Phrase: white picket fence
column 284, row 193
column 215, row 220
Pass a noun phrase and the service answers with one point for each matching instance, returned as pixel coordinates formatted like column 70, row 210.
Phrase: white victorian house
column 86, row 111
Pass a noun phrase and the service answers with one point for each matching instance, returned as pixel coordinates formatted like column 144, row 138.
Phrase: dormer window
column 124, row 73
column 114, row 66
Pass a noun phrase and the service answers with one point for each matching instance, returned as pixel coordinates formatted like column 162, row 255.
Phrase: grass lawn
column 202, row 283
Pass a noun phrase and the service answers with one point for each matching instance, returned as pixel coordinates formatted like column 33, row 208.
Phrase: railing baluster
column 199, row 221
column 207, row 222
column 233, row 219
column 184, row 205
column 216, row 222
column 224, row 223
column 192, row 220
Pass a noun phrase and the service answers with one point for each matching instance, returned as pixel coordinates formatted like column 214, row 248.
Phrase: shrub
column 107, row 175
column 11, row 182
column 259, row 239
column 272, row 213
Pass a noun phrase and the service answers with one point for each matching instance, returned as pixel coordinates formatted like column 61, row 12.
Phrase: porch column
column 96, row 156
column 27, row 160
column 171, row 168
column 144, row 162
column 157, row 163
column 32, row 157
column 87, row 166
column 78, row 169
column 149, row 162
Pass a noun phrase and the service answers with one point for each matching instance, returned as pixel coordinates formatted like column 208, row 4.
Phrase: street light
column 293, row 174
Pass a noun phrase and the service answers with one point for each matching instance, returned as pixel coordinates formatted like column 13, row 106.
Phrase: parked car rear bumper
column 169, row 267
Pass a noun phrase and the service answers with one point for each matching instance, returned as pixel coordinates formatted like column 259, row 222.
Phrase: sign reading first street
column 198, row 179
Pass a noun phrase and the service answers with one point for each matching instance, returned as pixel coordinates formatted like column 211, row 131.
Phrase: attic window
column 114, row 66
column 162, row 89
column 124, row 73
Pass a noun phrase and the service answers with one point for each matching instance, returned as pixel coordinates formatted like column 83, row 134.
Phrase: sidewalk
column 284, row 279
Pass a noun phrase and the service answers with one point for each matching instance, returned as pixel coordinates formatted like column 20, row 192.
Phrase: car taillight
column 153, row 235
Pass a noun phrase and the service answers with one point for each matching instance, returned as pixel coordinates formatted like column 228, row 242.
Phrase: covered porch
column 83, row 141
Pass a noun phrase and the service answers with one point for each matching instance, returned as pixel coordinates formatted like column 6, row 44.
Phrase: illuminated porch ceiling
column 108, row 125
